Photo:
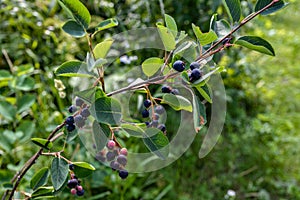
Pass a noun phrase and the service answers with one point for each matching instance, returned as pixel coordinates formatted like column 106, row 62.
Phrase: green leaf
column 42, row 192
column 7, row 110
column 5, row 75
column 83, row 169
column 39, row 178
column 73, row 69
column 222, row 28
column 184, row 47
column 59, row 172
column 257, row 44
column 152, row 65
column 102, row 48
column 260, row 4
column 203, row 93
column 73, row 28
column 91, row 94
column 70, row 135
column 136, row 130
column 167, row 38
column 204, row 38
column 79, row 12
column 233, row 8
column 22, row 83
column 27, row 127
column 156, row 142
column 100, row 132
column 106, row 24
column 107, row 110
column 44, row 143
column 171, row 24
column 25, row 102
column 177, row 102
column 185, row 77
column 199, row 113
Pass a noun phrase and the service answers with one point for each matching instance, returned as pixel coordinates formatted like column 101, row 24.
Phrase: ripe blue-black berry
column 80, row 193
column 72, row 183
column 174, row 91
column 123, row 173
column 70, row 127
column 147, row 103
column 162, row 127
column 79, row 121
column 166, row 89
column 85, row 112
column 194, row 65
column 147, row 123
column 110, row 156
column 226, row 40
column 71, row 166
column 78, row 101
column 196, row 74
column 178, row 66
column 72, row 109
column 70, row 120
column 145, row 113
column 122, row 160
column 159, row 109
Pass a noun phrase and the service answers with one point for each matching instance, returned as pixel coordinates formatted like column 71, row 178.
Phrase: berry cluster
column 116, row 156
column 74, row 183
column 80, row 117
column 195, row 73
column 168, row 89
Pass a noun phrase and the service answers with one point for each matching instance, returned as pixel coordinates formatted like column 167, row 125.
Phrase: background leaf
column 40, row 178
column 257, row 44
column 59, row 172
column 233, row 8
column 25, row 102
column 171, row 24
column 177, row 102
column 7, row 110
column 73, row 28
column 151, row 65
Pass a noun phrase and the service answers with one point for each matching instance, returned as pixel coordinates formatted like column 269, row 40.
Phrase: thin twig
column 8, row 60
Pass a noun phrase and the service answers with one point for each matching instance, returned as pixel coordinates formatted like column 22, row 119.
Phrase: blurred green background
column 257, row 155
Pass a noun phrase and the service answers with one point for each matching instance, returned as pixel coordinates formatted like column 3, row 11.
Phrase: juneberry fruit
column 78, row 101
column 154, row 123
column 145, row 113
column 155, row 116
column 194, row 65
column 80, row 193
column 159, row 109
column 79, row 188
column 174, row 91
column 70, row 127
column 123, row 151
column 196, row 74
column 72, row 183
column 79, row 121
column 85, row 112
column 123, row 174
column 70, row 120
column 114, row 165
column 73, row 191
column 122, row 160
column 71, row 166
column 100, row 156
column 226, row 41
column 147, row 103
column 178, row 66
column 110, row 156
column 166, row 89
column 72, row 109
column 162, row 127
column 147, row 123
column 111, row 144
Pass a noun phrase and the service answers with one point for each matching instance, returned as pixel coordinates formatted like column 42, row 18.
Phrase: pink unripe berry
column 111, row 144
column 73, row 191
column 79, row 188
column 123, row 151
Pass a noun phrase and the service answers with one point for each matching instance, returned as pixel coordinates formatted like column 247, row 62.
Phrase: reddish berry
column 79, row 188
column 111, row 144
column 73, row 191
column 123, row 151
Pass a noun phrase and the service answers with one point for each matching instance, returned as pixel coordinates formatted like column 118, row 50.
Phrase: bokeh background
column 257, row 155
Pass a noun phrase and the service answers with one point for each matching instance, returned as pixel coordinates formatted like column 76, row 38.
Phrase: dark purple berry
column 114, row 165
column 159, row 109
column 166, row 89
column 80, row 193
column 72, row 183
column 194, row 65
column 155, row 116
column 162, row 127
column 70, row 120
column 178, row 66
column 147, row 103
column 226, row 41
column 196, row 74
column 85, row 112
column 99, row 156
column 72, row 109
column 147, row 123
column 79, row 121
column 123, row 174
column 154, row 123
column 70, row 127
column 110, row 156
column 71, row 166
column 175, row 92
column 145, row 113
column 78, row 101
column 122, row 160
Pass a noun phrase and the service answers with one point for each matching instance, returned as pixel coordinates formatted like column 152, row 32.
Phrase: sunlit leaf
column 177, row 102
column 171, row 24
column 257, row 44
column 167, row 38
column 204, row 38
column 44, row 143
column 152, row 65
